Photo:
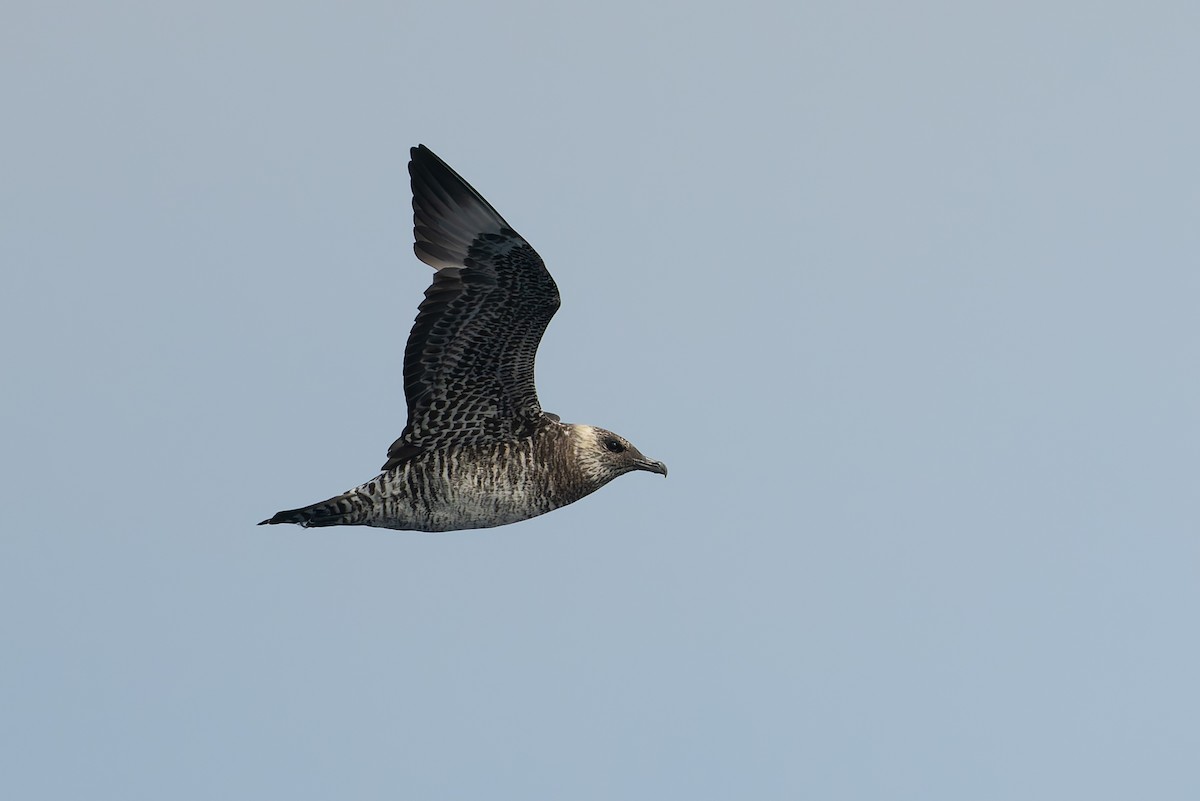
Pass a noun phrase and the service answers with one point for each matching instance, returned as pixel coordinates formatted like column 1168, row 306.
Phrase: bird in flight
column 478, row 451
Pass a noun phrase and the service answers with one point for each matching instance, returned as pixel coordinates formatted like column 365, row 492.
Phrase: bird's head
column 604, row 455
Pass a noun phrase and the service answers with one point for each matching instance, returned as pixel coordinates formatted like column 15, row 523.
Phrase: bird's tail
column 348, row 509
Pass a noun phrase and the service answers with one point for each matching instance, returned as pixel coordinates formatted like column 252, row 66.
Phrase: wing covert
column 469, row 362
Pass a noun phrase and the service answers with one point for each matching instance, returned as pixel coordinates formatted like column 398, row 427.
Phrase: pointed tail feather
column 347, row 509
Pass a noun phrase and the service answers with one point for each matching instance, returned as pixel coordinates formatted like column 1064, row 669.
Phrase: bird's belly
column 447, row 503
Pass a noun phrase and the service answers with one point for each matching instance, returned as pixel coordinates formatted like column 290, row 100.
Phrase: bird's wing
column 468, row 366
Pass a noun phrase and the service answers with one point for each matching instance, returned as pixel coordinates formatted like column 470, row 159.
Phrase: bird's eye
column 614, row 446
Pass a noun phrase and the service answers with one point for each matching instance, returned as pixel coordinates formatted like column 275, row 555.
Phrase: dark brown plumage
column 478, row 450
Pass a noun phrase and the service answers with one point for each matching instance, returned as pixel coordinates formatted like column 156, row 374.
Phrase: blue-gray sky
column 905, row 295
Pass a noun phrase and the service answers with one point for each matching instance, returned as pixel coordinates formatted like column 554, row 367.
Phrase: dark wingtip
column 421, row 152
column 265, row 522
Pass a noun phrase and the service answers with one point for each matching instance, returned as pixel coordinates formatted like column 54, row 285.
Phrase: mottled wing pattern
column 468, row 367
